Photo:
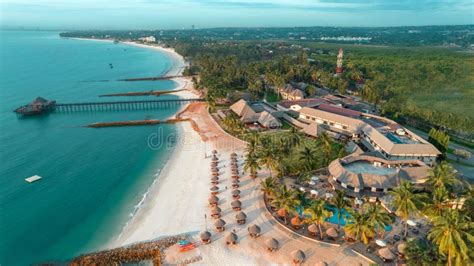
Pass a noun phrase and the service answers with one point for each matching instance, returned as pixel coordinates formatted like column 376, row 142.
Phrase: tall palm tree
column 378, row 217
column 360, row 227
column 406, row 202
column 303, row 198
column 286, row 199
column 438, row 203
column 251, row 164
column 307, row 157
column 317, row 213
column 443, row 175
column 268, row 186
column 326, row 142
column 452, row 232
column 340, row 202
column 294, row 136
column 422, row 252
column 267, row 158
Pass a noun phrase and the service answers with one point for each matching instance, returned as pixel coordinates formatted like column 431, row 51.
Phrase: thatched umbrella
column 312, row 229
column 220, row 225
column 216, row 212
column 214, row 180
column 236, row 205
column 213, row 200
column 231, row 239
column 272, row 244
column 235, row 176
column 235, row 185
column 241, row 217
column 254, row 230
column 386, row 254
column 215, row 173
column 401, row 247
column 296, row 222
column 282, row 213
column 235, row 181
column 205, row 237
column 214, row 190
column 233, row 155
column 298, row 256
column 214, row 151
column 236, row 194
column 332, row 232
column 214, row 158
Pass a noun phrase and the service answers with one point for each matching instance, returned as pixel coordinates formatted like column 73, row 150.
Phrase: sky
column 173, row 14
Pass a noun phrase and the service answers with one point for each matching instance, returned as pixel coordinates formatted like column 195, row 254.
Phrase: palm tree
column 406, row 202
column 422, row 252
column 317, row 213
column 378, row 217
column 251, row 164
column 267, row 157
column 438, row 202
column 268, row 186
column 340, row 202
column 307, row 157
column 452, row 232
column 302, row 197
column 294, row 136
column 325, row 140
column 443, row 175
column 286, row 199
column 360, row 227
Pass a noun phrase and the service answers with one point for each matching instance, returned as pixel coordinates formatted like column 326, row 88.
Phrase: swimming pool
column 364, row 167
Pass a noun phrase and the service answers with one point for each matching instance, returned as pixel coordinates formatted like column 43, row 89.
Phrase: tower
column 339, row 61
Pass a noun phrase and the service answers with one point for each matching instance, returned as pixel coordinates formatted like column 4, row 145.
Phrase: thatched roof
column 298, row 255
column 214, row 178
column 401, row 247
column 235, row 181
column 272, row 243
column 214, row 188
column 216, row 210
column 205, row 235
column 296, row 221
column 213, row 199
column 254, row 229
column 386, row 254
column 313, row 228
column 282, row 212
column 219, row 223
column 233, row 154
column 241, row 216
column 231, row 237
column 236, row 203
column 235, row 192
column 214, row 151
column 332, row 232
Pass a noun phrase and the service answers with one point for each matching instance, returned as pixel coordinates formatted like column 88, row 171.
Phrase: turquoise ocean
column 93, row 179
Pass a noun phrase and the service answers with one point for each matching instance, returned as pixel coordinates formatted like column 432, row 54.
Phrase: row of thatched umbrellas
column 254, row 230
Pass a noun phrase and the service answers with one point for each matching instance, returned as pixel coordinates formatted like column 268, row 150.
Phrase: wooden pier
column 106, row 106
column 147, row 122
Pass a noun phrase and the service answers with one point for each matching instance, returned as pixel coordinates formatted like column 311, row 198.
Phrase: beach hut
column 272, row 244
column 236, row 205
column 205, row 237
column 312, row 229
column 401, row 248
column 296, row 222
column 386, row 254
column 213, row 200
column 214, row 190
column 216, row 212
column 241, row 217
column 254, row 231
column 220, row 225
column 332, row 232
column 236, row 194
column 231, row 239
column 298, row 256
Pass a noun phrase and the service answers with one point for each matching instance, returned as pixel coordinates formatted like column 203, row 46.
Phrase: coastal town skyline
column 149, row 14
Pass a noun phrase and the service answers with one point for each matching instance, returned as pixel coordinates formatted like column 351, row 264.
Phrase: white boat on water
column 32, row 179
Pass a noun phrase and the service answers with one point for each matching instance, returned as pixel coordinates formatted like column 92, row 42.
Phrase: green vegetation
column 439, row 139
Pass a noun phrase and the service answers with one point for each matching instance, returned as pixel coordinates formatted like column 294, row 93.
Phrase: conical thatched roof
column 272, row 243
column 235, row 192
column 214, row 178
column 332, row 232
column 214, row 188
column 236, row 203
column 241, row 216
column 205, row 235
column 213, row 199
column 313, row 228
column 298, row 255
column 219, row 223
column 214, row 151
column 235, row 176
column 401, row 247
column 386, row 254
column 254, row 229
column 231, row 237
column 216, row 210
column 215, row 159
column 235, row 181
column 282, row 212
column 233, row 154
column 296, row 221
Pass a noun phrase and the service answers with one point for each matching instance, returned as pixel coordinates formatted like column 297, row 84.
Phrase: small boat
column 111, row 66
column 32, row 179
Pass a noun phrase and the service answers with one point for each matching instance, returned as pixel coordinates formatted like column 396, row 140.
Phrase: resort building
column 251, row 114
column 371, row 176
column 147, row 39
column 376, row 134
column 290, row 92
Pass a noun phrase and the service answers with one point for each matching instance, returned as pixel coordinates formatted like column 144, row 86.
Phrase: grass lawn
column 272, row 97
